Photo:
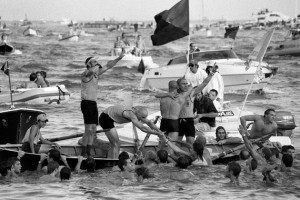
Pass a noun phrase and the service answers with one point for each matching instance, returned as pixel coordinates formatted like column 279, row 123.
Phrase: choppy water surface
column 64, row 62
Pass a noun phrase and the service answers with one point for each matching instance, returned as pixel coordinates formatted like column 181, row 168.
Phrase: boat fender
column 285, row 120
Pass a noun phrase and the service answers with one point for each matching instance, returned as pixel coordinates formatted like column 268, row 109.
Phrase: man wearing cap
column 194, row 48
column 33, row 135
column 194, row 75
column 89, row 88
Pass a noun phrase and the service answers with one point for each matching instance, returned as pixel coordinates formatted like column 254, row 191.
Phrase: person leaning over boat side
column 33, row 135
column 40, row 82
column 222, row 137
column 216, row 82
column 121, row 115
column 195, row 75
column 89, row 88
column 262, row 125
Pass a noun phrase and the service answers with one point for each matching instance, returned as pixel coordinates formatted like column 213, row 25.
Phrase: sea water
column 64, row 63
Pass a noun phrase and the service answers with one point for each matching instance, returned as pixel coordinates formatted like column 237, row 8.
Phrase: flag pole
column 11, row 99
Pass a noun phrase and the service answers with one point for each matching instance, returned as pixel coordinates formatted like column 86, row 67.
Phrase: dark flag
column 231, row 32
column 141, row 67
column 172, row 24
column 5, row 68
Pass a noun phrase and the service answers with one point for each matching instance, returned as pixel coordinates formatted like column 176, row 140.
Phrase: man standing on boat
column 121, row 115
column 262, row 125
column 194, row 75
column 89, row 88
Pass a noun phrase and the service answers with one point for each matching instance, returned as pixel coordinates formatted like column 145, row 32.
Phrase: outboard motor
column 285, row 123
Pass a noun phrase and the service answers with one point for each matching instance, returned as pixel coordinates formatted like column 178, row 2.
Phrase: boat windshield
column 205, row 56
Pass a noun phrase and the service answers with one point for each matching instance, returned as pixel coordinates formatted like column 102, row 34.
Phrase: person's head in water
column 90, row 164
column 270, row 115
column 124, row 155
column 183, row 162
column 244, row 155
column 233, row 169
column 65, row 173
column 287, row 160
column 288, row 149
column 221, row 133
column 162, row 156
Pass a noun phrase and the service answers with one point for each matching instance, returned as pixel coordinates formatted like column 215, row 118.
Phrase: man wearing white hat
column 33, row 135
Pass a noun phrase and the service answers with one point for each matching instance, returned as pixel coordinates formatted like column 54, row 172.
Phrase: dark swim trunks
column 186, row 127
column 90, row 112
column 169, row 125
column 106, row 122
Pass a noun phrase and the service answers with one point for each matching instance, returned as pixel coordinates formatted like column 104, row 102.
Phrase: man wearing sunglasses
column 195, row 75
column 33, row 135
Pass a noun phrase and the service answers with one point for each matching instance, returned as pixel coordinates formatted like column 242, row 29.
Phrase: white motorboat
column 73, row 38
column 30, row 32
column 130, row 60
column 48, row 95
column 231, row 67
column 290, row 46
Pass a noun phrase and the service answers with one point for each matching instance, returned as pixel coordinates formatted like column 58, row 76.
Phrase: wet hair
column 4, row 168
column 90, row 164
column 151, row 156
column 244, row 155
column 267, row 153
column 285, row 148
column 88, row 59
column 123, row 155
column 268, row 111
column 12, row 160
column 122, row 163
column 213, row 90
column 162, row 156
column 183, row 162
column 65, row 173
column 32, row 76
column 143, row 172
column 52, row 165
column 217, row 129
column 54, row 154
column 268, row 174
column 198, row 147
column 253, row 164
column 235, row 168
column 287, row 160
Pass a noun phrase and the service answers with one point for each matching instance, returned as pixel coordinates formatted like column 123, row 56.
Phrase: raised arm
column 200, row 87
column 110, row 64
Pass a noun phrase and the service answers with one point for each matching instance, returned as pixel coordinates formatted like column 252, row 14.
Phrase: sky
column 138, row 10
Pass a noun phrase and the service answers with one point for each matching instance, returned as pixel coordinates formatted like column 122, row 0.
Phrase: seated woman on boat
column 44, row 74
column 33, row 135
column 222, row 138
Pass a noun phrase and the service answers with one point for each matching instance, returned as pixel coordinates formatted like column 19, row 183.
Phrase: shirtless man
column 171, row 108
column 263, row 125
column 121, row 115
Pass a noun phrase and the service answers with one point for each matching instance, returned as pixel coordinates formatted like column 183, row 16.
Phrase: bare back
column 170, row 108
